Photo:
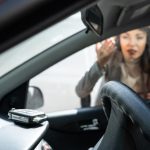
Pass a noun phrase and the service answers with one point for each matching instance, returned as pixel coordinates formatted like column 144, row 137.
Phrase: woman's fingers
column 107, row 48
column 104, row 50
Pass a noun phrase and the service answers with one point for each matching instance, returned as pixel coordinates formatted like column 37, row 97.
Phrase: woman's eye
column 140, row 37
column 125, row 37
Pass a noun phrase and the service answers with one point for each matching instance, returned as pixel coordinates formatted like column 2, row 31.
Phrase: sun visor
column 134, row 12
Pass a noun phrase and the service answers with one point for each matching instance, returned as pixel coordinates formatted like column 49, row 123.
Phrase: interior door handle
column 93, row 126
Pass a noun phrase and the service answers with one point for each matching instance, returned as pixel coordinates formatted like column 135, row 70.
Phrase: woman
column 126, row 60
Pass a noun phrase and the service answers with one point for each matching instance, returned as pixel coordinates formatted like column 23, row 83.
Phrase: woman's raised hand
column 104, row 51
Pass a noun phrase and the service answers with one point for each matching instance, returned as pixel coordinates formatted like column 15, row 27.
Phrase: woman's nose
column 132, row 41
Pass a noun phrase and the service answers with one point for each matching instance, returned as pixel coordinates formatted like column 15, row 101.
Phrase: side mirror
column 35, row 98
column 93, row 19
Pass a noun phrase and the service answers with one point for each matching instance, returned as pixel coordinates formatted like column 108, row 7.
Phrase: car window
column 58, row 82
column 39, row 42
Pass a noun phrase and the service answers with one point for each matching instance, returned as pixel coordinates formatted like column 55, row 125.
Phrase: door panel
column 76, row 129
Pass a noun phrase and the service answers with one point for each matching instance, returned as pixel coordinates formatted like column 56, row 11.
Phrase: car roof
column 20, row 19
column 31, row 17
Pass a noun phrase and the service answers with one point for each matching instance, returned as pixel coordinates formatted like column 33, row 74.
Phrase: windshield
column 40, row 42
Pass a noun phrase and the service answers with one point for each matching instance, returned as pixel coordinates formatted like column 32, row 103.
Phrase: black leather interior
column 129, row 119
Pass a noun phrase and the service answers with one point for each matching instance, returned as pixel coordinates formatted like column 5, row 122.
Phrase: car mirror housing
column 35, row 98
column 93, row 19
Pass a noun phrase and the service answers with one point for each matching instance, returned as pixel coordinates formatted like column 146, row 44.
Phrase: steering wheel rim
column 129, row 102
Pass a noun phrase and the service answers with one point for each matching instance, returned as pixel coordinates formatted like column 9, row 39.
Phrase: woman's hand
column 104, row 51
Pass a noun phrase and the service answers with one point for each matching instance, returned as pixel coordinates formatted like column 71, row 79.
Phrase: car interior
column 122, row 123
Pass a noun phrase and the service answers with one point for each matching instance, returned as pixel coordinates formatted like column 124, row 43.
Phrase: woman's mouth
column 132, row 51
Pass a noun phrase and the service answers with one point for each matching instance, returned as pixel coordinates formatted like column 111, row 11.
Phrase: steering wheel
column 128, row 119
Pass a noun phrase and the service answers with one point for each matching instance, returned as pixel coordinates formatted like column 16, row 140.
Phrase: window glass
column 58, row 82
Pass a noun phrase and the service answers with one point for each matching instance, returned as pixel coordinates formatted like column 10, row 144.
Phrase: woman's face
column 133, row 44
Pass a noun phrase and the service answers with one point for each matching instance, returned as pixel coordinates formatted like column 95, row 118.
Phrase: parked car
column 32, row 41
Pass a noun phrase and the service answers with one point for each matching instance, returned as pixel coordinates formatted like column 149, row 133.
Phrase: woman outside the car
column 125, row 60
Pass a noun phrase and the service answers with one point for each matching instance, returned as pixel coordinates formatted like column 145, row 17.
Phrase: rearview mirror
column 93, row 19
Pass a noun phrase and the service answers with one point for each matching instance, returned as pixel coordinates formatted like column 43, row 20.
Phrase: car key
column 27, row 116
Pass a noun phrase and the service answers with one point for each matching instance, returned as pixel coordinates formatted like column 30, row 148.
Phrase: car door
column 72, row 126
column 75, row 129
